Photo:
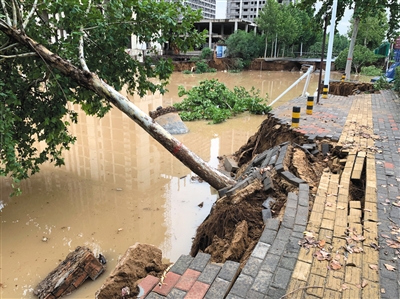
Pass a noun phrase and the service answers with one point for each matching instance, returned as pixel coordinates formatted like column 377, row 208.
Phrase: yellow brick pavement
column 338, row 219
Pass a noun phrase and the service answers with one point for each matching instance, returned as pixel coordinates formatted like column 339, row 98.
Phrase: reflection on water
column 118, row 187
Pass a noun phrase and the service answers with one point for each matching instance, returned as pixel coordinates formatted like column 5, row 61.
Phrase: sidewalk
column 349, row 246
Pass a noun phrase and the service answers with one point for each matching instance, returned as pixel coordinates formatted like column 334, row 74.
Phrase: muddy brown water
column 119, row 186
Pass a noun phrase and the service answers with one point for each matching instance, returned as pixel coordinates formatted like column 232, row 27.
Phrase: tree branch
column 30, row 14
column 19, row 55
column 14, row 10
column 3, row 4
column 81, row 52
column 5, row 47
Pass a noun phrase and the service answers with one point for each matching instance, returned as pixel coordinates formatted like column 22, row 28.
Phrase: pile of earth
column 232, row 230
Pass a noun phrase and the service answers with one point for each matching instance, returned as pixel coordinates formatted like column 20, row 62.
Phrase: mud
column 231, row 231
column 350, row 88
column 139, row 261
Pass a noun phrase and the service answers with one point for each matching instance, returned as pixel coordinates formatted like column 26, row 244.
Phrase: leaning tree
column 57, row 51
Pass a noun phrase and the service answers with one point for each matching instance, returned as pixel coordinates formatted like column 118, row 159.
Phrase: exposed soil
column 138, row 261
column 350, row 88
column 232, row 229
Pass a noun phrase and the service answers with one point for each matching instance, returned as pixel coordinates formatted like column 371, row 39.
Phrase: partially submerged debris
column 78, row 266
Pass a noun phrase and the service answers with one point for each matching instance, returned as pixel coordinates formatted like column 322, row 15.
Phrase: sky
column 343, row 26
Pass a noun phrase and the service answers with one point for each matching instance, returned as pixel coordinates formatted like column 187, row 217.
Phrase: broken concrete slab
column 230, row 165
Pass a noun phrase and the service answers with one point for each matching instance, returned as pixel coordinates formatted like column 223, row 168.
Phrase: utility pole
column 322, row 60
column 330, row 47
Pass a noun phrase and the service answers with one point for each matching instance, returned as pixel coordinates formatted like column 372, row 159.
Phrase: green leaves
column 212, row 100
column 34, row 96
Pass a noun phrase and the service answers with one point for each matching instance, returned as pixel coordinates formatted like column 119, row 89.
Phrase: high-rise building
column 207, row 7
column 246, row 9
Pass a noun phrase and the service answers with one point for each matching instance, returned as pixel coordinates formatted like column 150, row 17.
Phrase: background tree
column 43, row 68
column 362, row 57
column 268, row 21
column 371, row 31
column 246, row 45
column 340, row 42
column 289, row 25
column 362, row 9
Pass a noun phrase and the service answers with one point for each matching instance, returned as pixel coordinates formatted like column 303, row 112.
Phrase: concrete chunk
column 230, row 165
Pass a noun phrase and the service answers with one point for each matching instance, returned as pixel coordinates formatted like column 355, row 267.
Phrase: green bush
column 396, row 84
column 194, row 58
column 206, row 53
column 371, row 71
column 212, row 100
column 187, row 72
column 382, row 84
column 201, row 67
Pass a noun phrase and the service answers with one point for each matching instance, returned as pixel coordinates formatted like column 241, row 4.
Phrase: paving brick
column 288, row 221
column 169, row 282
column 316, row 280
column 210, row 272
column 229, row 270
column 335, row 294
column 291, row 201
column 294, row 286
column 284, row 233
column 182, row 264
column 301, row 216
column 268, row 236
column 231, row 296
column 281, row 278
column 352, row 275
column 200, row 261
column 277, row 247
column 153, row 295
column 260, row 250
column 372, row 290
column 254, row 295
column 301, row 271
column 275, row 293
column 252, row 266
column 176, row 294
column 261, row 282
column 187, row 280
column 270, row 262
column 299, row 228
column 197, row 291
column 218, row 289
column 352, row 291
column 273, row 224
column 148, row 283
column 242, row 285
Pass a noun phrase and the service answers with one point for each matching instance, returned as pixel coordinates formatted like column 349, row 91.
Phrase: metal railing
column 306, row 74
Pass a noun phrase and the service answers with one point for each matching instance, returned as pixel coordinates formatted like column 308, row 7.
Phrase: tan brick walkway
column 336, row 217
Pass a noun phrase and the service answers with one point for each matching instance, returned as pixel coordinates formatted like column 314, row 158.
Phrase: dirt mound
column 161, row 111
column 269, row 134
column 349, row 88
column 138, row 261
column 234, row 226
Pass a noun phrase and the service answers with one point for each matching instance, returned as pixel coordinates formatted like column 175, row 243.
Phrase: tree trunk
column 351, row 47
column 266, row 45
column 92, row 82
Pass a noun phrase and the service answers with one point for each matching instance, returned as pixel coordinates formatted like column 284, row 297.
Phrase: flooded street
column 119, row 187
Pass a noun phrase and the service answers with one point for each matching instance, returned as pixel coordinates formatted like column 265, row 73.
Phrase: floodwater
column 119, row 187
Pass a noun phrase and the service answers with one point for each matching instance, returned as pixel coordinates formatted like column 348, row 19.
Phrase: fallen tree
column 39, row 68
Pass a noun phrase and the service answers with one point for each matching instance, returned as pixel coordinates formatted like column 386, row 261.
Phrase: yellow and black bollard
column 310, row 105
column 295, row 117
column 325, row 92
column 343, row 77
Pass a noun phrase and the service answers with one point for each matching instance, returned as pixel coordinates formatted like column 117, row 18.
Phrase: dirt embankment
column 233, row 229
